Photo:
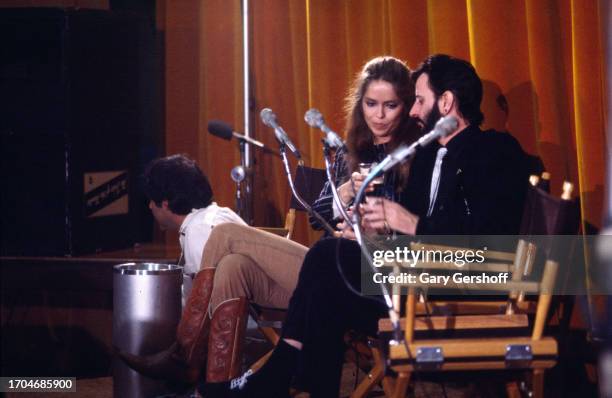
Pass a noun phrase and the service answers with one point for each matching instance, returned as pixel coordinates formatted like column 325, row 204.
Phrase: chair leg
column 261, row 361
column 512, row 390
column 270, row 334
column 538, row 383
column 388, row 384
column 401, row 385
column 372, row 379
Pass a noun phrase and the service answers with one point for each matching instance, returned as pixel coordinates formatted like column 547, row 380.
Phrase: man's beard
column 432, row 118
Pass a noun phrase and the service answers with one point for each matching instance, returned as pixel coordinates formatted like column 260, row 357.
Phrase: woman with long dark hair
column 377, row 122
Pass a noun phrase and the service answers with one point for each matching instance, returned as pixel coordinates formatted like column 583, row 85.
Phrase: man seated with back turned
column 229, row 275
column 181, row 199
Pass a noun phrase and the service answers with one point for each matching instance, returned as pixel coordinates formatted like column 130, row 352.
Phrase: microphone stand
column 240, row 175
column 332, row 184
column 302, row 202
column 247, row 202
column 393, row 315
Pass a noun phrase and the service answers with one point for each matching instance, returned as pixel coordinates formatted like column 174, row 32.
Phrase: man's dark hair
column 178, row 180
column 459, row 77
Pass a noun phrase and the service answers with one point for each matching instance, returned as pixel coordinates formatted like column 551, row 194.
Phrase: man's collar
column 460, row 140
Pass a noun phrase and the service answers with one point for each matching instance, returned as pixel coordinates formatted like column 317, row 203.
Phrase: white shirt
column 195, row 230
column 435, row 179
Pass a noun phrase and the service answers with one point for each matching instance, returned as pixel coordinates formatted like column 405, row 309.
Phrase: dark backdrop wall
column 80, row 116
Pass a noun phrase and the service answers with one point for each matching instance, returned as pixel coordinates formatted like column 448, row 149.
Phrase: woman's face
column 382, row 110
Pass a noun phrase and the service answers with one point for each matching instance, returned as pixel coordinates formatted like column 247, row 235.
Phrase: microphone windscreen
column 446, row 125
column 268, row 117
column 220, row 129
column 314, row 118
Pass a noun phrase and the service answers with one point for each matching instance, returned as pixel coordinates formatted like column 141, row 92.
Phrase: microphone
column 314, row 118
column 223, row 130
column 238, row 174
column 445, row 126
column 269, row 119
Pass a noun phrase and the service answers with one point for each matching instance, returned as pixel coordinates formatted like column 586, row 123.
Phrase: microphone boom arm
column 332, row 184
column 386, row 164
column 301, row 201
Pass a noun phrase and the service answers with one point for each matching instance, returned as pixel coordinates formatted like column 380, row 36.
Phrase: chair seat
column 463, row 322
column 466, row 354
column 472, row 307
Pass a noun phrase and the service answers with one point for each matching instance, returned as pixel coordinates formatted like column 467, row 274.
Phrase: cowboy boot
column 227, row 331
column 183, row 360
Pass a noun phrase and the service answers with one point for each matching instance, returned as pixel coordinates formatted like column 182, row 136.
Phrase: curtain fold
column 542, row 63
column 587, row 61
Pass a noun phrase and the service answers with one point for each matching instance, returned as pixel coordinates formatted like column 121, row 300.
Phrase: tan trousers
column 251, row 263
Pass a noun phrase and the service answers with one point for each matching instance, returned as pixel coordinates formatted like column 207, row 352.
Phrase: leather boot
column 184, row 359
column 227, row 331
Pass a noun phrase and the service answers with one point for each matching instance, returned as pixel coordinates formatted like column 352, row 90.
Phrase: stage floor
column 103, row 388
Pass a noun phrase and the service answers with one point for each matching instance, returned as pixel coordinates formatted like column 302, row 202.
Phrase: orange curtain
column 544, row 57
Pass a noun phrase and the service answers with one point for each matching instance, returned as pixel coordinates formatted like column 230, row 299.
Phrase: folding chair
column 481, row 349
column 443, row 315
column 309, row 182
column 544, row 215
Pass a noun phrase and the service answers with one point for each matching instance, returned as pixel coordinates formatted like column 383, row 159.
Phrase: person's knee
column 325, row 257
column 319, row 259
column 331, row 245
column 327, row 251
column 235, row 267
column 233, row 278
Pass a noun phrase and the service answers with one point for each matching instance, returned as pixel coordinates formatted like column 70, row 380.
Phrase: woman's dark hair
column 178, row 180
column 360, row 139
column 459, row 77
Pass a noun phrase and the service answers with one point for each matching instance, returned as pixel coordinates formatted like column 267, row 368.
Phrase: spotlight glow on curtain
column 542, row 63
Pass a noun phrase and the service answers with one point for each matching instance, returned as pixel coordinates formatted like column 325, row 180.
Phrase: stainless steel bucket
column 146, row 312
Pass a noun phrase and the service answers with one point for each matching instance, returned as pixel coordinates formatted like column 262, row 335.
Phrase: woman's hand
column 383, row 215
column 349, row 189
column 345, row 230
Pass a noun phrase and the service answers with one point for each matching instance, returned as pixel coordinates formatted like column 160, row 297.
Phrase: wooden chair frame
column 287, row 230
column 523, row 260
column 534, row 352
column 461, row 315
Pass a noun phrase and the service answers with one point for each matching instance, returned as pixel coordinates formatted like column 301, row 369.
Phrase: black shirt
column 482, row 187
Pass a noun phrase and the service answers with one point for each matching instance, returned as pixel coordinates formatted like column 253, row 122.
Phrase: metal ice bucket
column 146, row 312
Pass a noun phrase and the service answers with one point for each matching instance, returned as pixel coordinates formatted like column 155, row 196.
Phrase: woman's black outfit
column 322, row 310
